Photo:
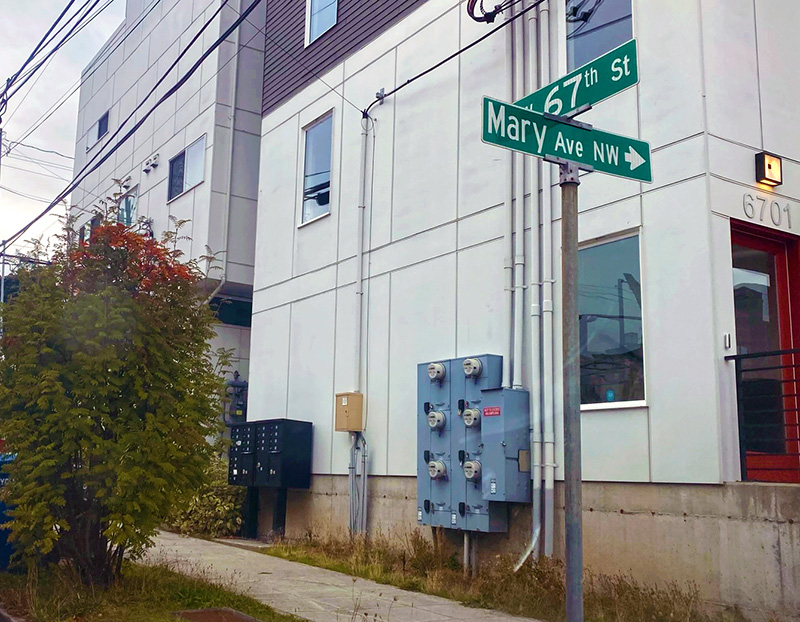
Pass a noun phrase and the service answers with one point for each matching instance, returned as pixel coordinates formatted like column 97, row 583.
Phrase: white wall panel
column 679, row 334
column 778, row 60
column 344, row 365
column 480, row 312
column 615, row 445
column 671, row 103
column 311, row 372
column 422, row 328
column 376, row 405
column 377, row 221
column 484, row 71
column 276, row 205
column 731, row 71
column 269, row 362
column 424, row 193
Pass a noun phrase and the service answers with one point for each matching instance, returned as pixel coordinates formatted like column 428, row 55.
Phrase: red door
column 764, row 278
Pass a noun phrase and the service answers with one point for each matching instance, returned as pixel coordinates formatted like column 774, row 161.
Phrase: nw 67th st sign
column 520, row 129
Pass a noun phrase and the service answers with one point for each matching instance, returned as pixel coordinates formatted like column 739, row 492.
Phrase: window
column 610, row 313
column 317, row 169
column 102, row 126
column 186, row 169
column 595, row 27
column 126, row 212
column 98, row 130
column 321, row 17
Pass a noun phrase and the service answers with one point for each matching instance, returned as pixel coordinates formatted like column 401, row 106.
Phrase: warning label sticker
column 491, row 411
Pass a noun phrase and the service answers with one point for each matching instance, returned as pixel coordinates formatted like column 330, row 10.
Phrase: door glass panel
column 756, row 300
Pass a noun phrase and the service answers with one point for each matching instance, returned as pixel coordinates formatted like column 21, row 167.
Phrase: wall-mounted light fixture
column 769, row 169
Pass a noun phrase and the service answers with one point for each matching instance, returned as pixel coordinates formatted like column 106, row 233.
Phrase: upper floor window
column 126, row 211
column 317, row 169
column 186, row 169
column 98, row 130
column 610, row 319
column 595, row 27
column 320, row 17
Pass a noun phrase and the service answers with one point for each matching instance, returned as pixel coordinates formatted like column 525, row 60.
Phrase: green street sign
column 600, row 79
column 520, row 129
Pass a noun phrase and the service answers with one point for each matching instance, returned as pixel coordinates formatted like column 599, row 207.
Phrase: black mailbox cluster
column 275, row 453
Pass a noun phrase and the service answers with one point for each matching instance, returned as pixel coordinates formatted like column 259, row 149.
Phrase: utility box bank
column 473, row 445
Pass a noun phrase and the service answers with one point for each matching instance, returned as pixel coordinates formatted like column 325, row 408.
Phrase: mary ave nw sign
column 520, row 129
column 600, row 79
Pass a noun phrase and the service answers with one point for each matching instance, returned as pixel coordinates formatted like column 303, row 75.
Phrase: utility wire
column 24, row 195
column 452, row 56
column 296, row 59
column 25, row 170
column 66, row 97
column 13, row 143
column 24, row 97
column 79, row 25
column 84, row 173
column 32, row 55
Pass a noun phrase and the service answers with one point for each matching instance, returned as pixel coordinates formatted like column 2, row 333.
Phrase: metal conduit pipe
column 358, row 481
column 548, row 413
column 508, row 232
column 535, row 380
column 519, row 209
column 229, row 185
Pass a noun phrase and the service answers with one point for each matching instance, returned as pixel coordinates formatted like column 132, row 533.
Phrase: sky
column 23, row 25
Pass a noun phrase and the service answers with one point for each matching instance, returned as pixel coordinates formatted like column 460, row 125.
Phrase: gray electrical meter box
column 473, row 445
column 434, row 421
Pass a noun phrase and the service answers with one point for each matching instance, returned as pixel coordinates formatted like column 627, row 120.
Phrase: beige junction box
column 349, row 412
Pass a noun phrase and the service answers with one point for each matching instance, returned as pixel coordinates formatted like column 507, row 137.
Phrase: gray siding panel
column 290, row 66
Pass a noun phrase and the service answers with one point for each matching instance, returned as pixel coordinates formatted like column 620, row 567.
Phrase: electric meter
column 472, row 470
column 436, row 419
column 437, row 469
column 471, row 417
column 472, row 368
column 436, row 371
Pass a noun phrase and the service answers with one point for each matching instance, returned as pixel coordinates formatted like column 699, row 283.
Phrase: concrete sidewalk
column 313, row 593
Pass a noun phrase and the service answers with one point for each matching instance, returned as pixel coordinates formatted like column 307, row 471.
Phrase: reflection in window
column 322, row 17
column 595, row 27
column 126, row 212
column 186, row 169
column 317, row 170
column 610, row 312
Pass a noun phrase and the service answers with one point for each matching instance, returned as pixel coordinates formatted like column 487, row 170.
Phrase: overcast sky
column 21, row 27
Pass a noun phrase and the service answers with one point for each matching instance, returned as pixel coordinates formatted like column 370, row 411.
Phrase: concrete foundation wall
column 739, row 543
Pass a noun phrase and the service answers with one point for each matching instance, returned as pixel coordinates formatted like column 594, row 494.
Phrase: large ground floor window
column 610, row 312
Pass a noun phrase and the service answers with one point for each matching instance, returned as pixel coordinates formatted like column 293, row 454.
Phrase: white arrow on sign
column 634, row 158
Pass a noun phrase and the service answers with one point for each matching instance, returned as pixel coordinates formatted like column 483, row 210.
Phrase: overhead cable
column 84, row 172
column 382, row 97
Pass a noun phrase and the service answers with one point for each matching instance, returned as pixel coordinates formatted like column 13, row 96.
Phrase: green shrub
column 216, row 509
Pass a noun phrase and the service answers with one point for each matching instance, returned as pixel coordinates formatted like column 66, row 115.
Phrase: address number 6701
column 764, row 209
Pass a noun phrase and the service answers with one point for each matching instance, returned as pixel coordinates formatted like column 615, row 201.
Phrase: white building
column 675, row 275
column 196, row 157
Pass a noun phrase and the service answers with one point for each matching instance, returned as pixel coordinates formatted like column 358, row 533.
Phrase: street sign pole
column 569, row 182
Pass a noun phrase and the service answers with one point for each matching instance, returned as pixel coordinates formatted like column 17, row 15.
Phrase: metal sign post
column 569, row 182
column 543, row 125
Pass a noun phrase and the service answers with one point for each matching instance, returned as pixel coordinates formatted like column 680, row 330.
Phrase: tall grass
column 536, row 590
column 144, row 594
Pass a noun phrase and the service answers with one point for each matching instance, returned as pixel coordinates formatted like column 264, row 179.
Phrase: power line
column 84, row 173
column 24, row 195
column 66, row 97
column 25, row 170
column 39, row 45
column 79, row 25
column 453, row 55
column 13, row 144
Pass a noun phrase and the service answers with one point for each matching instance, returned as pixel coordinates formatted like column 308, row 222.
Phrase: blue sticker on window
column 610, row 395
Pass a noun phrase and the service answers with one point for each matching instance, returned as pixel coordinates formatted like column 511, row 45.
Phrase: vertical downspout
column 508, row 233
column 358, row 488
column 519, row 209
column 233, row 90
column 548, row 414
